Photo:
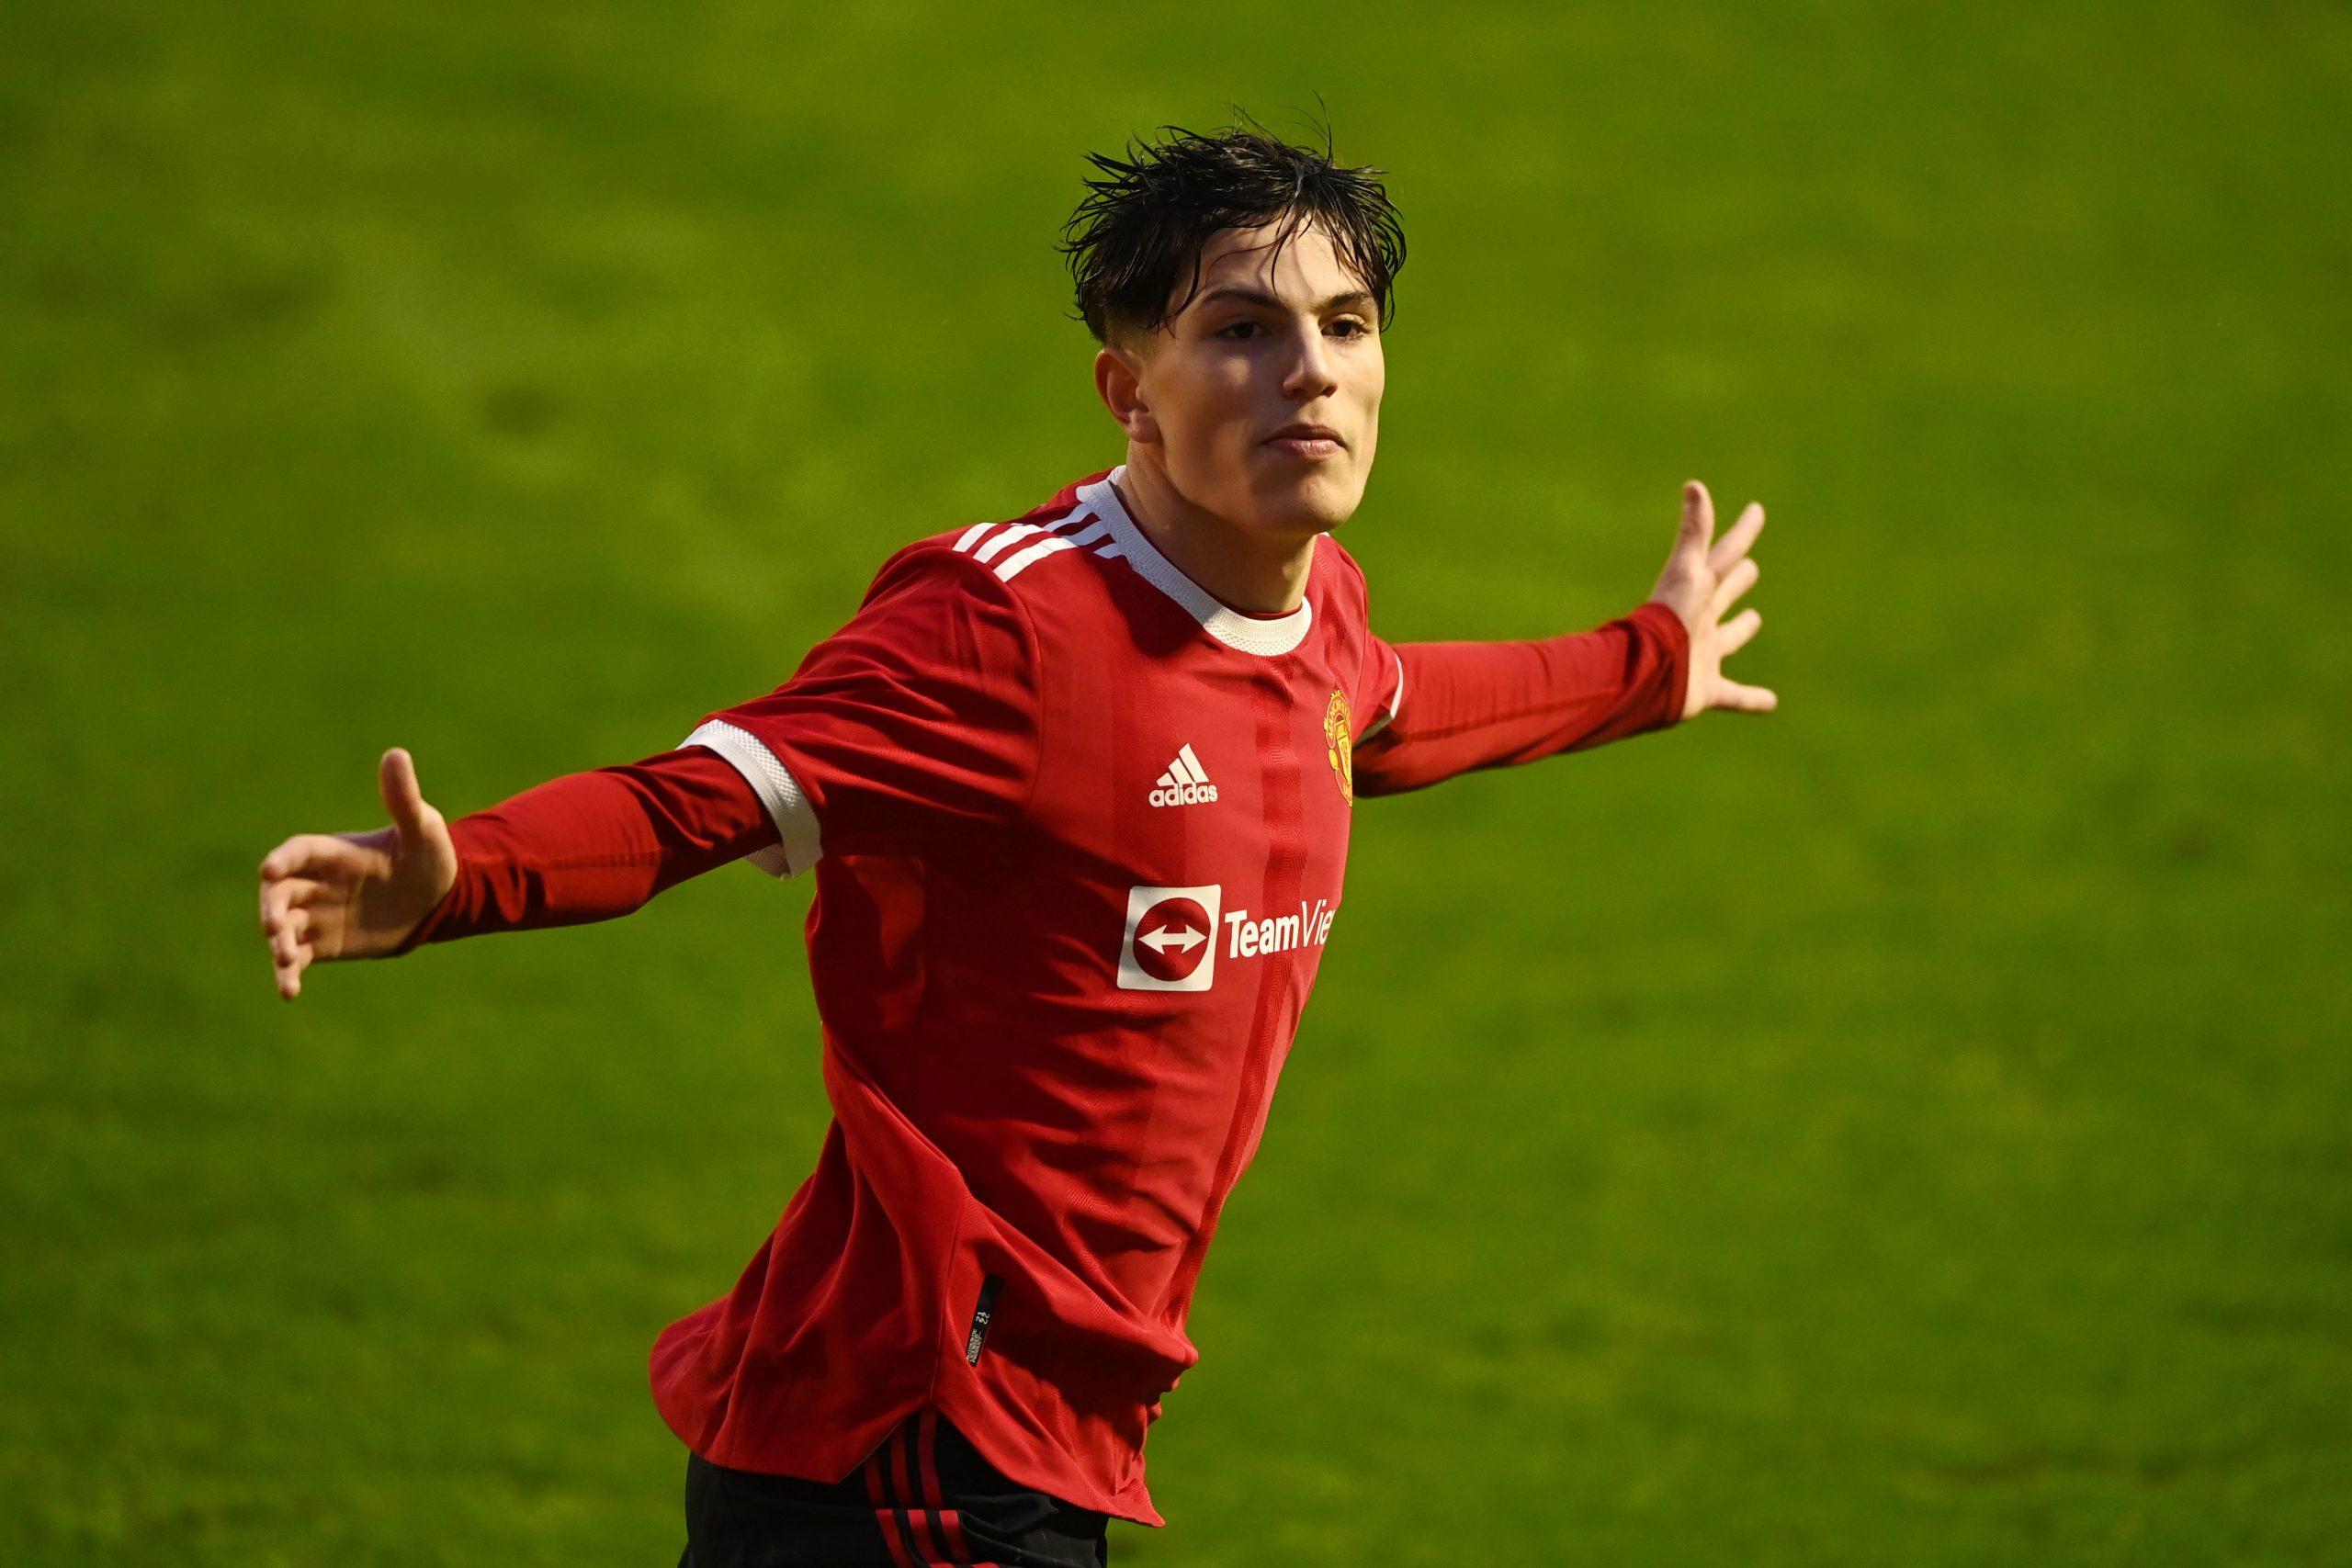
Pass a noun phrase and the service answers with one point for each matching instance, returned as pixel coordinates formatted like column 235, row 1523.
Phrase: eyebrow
column 1260, row 298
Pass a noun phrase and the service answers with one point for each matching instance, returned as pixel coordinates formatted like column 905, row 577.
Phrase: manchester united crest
column 1339, row 731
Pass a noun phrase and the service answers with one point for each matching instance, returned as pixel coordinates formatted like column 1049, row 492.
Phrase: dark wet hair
column 1142, row 227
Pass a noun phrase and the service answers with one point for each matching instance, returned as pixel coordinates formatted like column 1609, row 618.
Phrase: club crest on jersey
column 1338, row 734
column 1185, row 783
column 1170, row 944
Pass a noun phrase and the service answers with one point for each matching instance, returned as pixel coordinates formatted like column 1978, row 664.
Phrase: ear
column 1118, row 379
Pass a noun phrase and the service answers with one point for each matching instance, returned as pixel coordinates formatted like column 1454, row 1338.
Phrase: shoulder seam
column 976, row 577
column 1010, row 548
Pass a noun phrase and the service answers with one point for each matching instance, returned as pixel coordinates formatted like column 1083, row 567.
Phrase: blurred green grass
column 1912, row 1129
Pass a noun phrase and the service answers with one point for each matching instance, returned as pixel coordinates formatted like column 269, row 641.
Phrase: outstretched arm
column 912, row 727
column 584, row 847
column 1459, row 706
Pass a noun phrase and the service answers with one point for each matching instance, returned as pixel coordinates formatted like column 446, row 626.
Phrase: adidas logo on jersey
column 1185, row 783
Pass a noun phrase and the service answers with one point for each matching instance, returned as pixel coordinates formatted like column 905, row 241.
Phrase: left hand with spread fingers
column 1704, row 577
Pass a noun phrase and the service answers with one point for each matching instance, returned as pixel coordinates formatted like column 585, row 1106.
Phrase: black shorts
column 924, row 1497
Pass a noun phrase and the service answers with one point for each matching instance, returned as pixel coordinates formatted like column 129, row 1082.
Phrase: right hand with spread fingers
column 331, row 896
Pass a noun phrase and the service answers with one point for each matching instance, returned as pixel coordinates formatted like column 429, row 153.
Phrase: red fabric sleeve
column 1465, row 705
column 918, row 716
column 912, row 724
column 591, row 846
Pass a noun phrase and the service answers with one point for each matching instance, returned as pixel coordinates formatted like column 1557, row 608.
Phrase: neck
column 1246, row 568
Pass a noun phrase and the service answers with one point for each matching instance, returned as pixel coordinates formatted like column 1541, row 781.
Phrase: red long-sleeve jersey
column 1079, row 834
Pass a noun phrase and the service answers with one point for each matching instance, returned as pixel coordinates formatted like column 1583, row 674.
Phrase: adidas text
column 1185, row 783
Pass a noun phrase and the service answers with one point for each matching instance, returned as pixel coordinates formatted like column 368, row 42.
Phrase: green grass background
column 1916, row 1128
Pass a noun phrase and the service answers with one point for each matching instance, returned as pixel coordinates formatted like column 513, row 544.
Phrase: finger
column 290, row 952
column 1739, row 580
column 1735, row 633
column 288, row 973
column 1698, row 520
column 396, row 778
column 281, row 900
column 291, row 893
column 301, row 855
column 1737, row 543
column 1746, row 699
column 290, row 937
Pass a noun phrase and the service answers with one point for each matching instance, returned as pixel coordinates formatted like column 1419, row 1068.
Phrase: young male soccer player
column 1077, row 791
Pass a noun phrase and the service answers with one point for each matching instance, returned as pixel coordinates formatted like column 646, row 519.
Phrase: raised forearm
column 1467, row 705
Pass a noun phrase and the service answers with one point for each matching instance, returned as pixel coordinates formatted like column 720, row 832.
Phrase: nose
column 1308, row 375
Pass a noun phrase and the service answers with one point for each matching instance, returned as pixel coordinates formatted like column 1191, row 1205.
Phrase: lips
column 1307, row 440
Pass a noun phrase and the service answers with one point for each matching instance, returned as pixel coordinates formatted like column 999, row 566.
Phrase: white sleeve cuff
column 1396, row 701
column 787, row 803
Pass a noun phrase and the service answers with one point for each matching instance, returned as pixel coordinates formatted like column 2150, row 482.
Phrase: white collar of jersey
column 1248, row 633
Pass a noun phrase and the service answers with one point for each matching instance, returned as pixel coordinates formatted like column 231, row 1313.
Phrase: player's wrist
column 441, row 913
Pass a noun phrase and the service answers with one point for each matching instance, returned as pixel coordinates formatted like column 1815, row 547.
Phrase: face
column 1260, row 399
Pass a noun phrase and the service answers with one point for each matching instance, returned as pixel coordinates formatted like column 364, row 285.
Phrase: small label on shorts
column 980, row 1315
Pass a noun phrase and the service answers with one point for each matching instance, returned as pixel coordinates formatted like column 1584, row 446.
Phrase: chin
column 1318, row 504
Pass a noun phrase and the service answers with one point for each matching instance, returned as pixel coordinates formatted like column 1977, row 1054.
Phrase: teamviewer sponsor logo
column 1170, row 944
column 1185, row 783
